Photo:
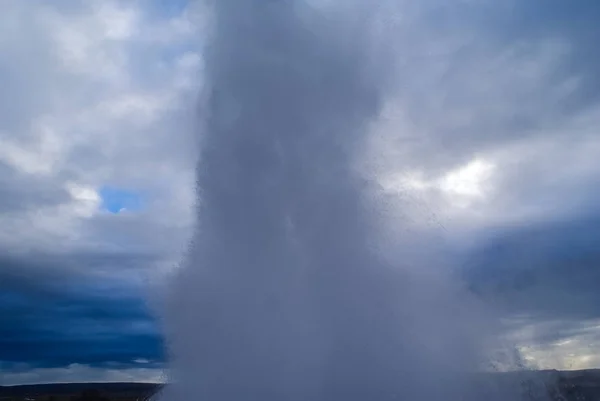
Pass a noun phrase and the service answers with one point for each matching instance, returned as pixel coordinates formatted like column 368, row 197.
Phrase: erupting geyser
column 284, row 294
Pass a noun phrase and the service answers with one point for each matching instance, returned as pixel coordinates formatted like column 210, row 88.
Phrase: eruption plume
column 285, row 294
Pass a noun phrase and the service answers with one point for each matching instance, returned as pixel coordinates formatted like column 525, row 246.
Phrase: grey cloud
column 93, row 146
column 473, row 77
column 575, row 21
column 547, row 271
column 76, row 299
column 54, row 272
column 21, row 192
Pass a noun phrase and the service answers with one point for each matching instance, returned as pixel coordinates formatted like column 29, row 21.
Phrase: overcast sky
column 492, row 137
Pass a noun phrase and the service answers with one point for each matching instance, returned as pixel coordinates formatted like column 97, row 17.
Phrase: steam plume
column 284, row 294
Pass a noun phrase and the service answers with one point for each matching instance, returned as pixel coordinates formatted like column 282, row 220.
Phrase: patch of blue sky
column 116, row 200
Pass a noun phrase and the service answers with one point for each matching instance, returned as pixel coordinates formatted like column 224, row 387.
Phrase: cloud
column 84, row 373
column 544, row 277
column 62, row 310
column 547, row 269
column 108, row 101
column 489, row 132
column 95, row 96
column 110, row 97
column 479, row 86
column 559, row 344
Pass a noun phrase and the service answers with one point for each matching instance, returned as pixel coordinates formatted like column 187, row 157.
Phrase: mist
column 292, row 288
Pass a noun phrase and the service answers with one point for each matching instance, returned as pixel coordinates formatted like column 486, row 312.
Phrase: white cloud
column 460, row 187
column 83, row 373
column 114, row 105
column 572, row 350
column 86, row 200
column 468, row 181
column 481, row 133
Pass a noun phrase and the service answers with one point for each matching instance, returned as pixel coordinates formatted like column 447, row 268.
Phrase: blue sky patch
column 115, row 200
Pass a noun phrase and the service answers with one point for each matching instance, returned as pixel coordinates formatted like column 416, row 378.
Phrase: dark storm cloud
column 56, row 311
column 546, row 271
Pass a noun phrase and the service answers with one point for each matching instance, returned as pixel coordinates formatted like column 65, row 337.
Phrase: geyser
column 284, row 293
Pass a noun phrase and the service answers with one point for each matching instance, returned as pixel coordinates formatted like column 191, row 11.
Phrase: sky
column 490, row 139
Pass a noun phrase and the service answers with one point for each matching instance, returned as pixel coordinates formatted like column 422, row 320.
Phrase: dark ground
column 583, row 385
column 79, row 392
